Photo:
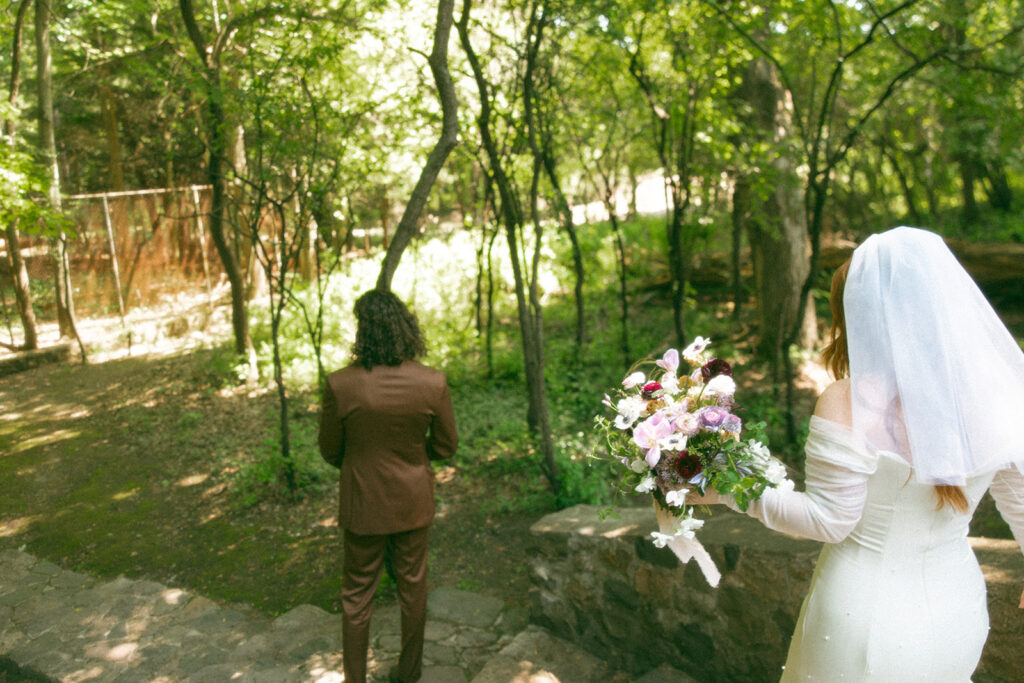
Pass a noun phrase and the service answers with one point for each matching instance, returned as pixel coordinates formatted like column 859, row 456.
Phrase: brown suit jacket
column 382, row 427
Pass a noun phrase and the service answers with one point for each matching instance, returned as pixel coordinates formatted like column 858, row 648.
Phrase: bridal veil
column 935, row 375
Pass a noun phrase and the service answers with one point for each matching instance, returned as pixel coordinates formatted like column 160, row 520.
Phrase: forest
column 194, row 194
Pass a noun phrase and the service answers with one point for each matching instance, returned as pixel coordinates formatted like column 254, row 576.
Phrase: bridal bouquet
column 675, row 433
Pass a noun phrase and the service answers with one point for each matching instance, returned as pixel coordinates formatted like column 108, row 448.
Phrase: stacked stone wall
column 602, row 584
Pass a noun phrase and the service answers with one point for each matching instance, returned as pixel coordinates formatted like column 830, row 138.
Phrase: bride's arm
column 836, row 484
column 1007, row 490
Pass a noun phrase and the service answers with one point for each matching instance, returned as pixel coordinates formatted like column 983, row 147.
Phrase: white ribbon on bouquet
column 686, row 548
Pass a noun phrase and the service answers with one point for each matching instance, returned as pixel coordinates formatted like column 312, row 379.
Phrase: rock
column 452, row 604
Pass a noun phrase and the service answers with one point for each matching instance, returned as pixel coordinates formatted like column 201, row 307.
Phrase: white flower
column 646, row 485
column 676, row 498
column 694, row 353
column 660, row 539
column 759, row 451
column 775, row 472
column 721, row 386
column 633, row 380
column 630, row 409
column 670, row 383
column 688, row 526
column 673, row 442
column 639, row 466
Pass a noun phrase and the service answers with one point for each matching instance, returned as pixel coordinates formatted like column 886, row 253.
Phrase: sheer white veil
column 935, row 375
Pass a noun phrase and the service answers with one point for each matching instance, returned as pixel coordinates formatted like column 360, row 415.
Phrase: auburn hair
column 836, row 356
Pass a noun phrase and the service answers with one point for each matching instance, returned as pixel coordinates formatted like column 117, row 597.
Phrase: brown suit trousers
column 382, row 427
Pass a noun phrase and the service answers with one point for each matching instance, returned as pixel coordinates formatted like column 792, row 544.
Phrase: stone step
column 72, row 627
column 537, row 656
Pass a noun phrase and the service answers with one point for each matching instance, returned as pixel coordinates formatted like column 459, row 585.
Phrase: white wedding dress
column 897, row 594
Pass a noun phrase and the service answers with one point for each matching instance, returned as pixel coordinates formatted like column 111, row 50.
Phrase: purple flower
column 712, row 417
column 733, row 424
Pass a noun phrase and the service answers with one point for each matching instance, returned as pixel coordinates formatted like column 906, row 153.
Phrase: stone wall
column 603, row 585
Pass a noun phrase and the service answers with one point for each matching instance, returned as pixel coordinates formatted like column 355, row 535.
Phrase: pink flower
column 648, row 433
column 669, row 362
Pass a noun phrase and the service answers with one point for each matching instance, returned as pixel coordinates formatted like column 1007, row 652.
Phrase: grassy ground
column 132, row 467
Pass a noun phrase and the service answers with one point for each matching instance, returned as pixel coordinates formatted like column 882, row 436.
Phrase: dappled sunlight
column 85, row 674
column 13, row 527
column 192, row 480
column 531, row 673
column 44, row 439
column 623, row 530
column 174, row 596
column 125, row 495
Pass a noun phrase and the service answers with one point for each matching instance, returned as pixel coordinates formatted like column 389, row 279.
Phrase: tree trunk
column 530, row 314
column 216, row 125
column 19, row 272
column 777, row 229
column 48, row 152
column 108, row 104
column 438, row 61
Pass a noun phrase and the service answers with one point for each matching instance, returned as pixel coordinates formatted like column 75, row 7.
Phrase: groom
column 383, row 419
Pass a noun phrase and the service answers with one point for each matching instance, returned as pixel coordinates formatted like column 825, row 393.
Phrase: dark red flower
column 650, row 390
column 714, row 368
column 687, row 466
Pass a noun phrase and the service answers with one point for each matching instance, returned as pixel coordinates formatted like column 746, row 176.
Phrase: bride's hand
column 710, row 497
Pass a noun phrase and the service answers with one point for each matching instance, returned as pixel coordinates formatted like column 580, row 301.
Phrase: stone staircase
column 60, row 625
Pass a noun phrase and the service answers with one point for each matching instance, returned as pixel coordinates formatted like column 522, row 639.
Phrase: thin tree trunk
column 216, row 129
column 19, row 271
column 528, row 306
column 48, row 151
column 438, row 61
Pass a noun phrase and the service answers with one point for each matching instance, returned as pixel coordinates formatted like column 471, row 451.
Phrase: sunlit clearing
column 124, row 495
column 15, row 526
column 192, row 480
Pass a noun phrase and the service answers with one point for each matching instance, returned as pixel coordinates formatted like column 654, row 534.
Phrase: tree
column 217, row 125
column 48, row 153
column 528, row 306
column 19, row 273
column 449, row 137
column 828, row 121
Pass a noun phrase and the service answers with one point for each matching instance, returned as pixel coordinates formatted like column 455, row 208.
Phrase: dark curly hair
column 387, row 331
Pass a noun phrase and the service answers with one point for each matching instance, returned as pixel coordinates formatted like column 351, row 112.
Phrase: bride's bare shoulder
column 834, row 403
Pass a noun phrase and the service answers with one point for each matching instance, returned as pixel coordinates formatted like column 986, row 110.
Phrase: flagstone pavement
column 59, row 625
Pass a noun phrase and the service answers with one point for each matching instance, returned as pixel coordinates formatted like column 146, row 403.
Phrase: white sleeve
column 1007, row 490
column 837, row 469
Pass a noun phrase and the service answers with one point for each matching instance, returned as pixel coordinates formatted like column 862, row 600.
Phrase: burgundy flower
column 687, row 466
column 650, row 390
column 714, row 368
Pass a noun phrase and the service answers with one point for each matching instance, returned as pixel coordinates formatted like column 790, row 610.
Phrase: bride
column 924, row 419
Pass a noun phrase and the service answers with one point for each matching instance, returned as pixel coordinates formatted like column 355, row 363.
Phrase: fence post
column 113, row 258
